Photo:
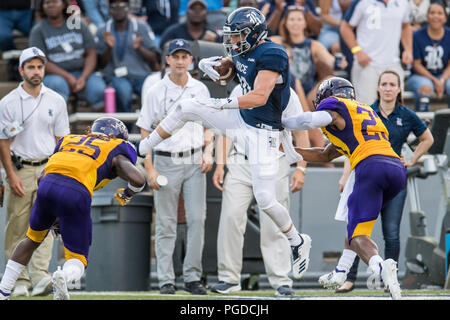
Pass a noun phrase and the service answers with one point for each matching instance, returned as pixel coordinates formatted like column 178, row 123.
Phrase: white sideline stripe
column 274, row 297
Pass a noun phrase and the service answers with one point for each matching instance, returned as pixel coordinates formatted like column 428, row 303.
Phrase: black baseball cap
column 179, row 44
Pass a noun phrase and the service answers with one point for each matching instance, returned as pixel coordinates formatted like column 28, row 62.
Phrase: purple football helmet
column 111, row 127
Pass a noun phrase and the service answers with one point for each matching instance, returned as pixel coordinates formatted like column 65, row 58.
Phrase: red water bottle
column 110, row 100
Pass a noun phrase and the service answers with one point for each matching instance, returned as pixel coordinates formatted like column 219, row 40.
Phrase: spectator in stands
column 380, row 27
column 70, row 49
column 274, row 10
column 161, row 15
column 311, row 62
column 345, row 5
column 195, row 27
column 400, row 121
column 331, row 16
column 431, row 66
column 418, row 13
column 127, row 53
column 138, row 10
column 14, row 14
column 96, row 11
column 216, row 17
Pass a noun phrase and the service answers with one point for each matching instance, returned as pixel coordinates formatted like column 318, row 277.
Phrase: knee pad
column 188, row 106
column 265, row 199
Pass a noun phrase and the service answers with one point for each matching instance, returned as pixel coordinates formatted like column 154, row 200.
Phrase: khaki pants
column 193, row 183
column 365, row 80
column 18, row 214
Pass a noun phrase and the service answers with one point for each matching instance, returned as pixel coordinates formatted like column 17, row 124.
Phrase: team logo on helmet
column 335, row 86
column 111, row 127
column 249, row 24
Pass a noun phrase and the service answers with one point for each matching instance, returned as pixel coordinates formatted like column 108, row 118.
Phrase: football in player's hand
column 226, row 70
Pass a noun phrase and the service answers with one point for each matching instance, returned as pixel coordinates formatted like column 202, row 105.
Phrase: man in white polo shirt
column 381, row 25
column 181, row 160
column 32, row 118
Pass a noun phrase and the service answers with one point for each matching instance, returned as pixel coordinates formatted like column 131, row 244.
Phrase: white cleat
column 300, row 257
column 4, row 296
column 60, row 291
column 389, row 276
column 43, row 287
column 334, row 279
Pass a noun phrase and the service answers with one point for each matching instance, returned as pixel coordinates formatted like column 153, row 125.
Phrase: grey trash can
column 119, row 257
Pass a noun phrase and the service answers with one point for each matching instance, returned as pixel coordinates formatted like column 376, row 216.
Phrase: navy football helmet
column 248, row 23
column 334, row 86
column 110, row 127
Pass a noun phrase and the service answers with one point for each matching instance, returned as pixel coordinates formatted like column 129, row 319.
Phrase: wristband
column 231, row 103
column 302, row 169
column 136, row 189
column 356, row 49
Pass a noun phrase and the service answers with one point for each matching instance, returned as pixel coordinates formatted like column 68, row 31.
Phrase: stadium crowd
column 95, row 45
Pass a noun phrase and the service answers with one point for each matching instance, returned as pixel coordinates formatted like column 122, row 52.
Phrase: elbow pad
column 308, row 120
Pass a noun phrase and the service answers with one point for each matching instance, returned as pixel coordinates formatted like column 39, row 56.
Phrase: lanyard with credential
column 121, row 45
column 35, row 108
column 167, row 109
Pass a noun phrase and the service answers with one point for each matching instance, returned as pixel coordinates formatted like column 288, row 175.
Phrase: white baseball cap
column 30, row 53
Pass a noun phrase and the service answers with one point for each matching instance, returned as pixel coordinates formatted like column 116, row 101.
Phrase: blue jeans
column 415, row 82
column 328, row 35
column 93, row 92
column 391, row 216
column 13, row 19
column 125, row 87
column 97, row 11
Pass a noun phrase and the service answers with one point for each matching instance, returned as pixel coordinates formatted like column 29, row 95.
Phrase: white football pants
column 261, row 148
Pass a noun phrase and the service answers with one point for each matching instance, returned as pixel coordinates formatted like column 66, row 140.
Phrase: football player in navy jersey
column 254, row 118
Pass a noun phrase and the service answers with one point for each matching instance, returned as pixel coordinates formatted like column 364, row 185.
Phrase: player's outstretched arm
column 319, row 154
column 308, row 120
column 127, row 171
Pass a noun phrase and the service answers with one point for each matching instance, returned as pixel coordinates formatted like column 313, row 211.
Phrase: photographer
column 32, row 118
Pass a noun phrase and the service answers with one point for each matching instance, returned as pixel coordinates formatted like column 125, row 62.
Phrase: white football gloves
column 207, row 64
column 220, row 104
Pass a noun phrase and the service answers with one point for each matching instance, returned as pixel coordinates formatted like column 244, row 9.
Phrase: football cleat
column 334, row 279
column 43, row 287
column 300, row 257
column 4, row 296
column 225, row 287
column 389, row 277
column 285, row 291
column 60, row 291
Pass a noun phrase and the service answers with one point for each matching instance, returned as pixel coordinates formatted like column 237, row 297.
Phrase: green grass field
column 253, row 295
